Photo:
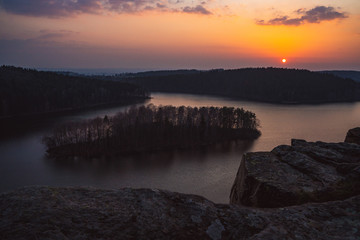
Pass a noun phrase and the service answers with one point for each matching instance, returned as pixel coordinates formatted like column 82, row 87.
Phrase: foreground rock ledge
column 353, row 136
column 301, row 173
column 80, row 213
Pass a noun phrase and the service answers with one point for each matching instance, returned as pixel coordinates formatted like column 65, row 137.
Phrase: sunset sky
column 173, row 34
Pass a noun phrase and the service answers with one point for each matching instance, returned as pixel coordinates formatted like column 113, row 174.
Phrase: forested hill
column 25, row 91
column 159, row 73
column 354, row 75
column 258, row 84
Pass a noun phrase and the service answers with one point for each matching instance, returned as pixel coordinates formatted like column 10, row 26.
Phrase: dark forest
column 152, row 128
column 257, row 84
column 26, row 91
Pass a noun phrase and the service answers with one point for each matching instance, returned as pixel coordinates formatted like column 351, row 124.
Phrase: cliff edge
column 301, row 173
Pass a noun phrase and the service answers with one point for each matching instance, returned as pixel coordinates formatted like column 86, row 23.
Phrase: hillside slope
column 258, row 84
column 25, row 91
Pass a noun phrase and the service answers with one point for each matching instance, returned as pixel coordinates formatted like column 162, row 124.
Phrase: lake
column 209, row 172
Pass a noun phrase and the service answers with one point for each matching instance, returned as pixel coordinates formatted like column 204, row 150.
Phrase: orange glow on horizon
column 181, row 40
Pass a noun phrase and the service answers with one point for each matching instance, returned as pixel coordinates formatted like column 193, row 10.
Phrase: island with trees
column 274, row 85
column 149, row 128
column 27, row 91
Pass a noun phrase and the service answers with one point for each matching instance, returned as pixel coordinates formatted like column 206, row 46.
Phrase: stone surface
column 300, row 173
column 353, row 136
column 80, row 213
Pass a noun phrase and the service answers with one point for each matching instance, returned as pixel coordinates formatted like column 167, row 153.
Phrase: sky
column 179, row 34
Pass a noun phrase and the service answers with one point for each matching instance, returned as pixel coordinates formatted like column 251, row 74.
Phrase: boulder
column 300, row 173
column 353, row 136
column 82, row 213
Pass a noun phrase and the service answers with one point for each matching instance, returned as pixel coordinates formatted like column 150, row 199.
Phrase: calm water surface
column 209, row 172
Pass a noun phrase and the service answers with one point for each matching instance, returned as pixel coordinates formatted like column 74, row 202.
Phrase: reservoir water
column 209, row 172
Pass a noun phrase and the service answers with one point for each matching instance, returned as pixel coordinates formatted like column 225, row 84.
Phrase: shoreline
column 65, row 111
column 54, row 153
column 281, row 103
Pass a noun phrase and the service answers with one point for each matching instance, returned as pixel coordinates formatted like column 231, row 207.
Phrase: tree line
column 259, row 84
column 27, row 91
column 152, row 128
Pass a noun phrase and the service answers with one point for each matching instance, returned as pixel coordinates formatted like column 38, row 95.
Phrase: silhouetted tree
column 147, row 128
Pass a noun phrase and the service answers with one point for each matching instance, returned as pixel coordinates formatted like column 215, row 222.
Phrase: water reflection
column 209, row 171
column 156, row 160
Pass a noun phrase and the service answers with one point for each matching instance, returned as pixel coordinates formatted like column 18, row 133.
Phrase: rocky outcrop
column 80, row 213
column 300, row 173
column 322, row 179
column 353, row 136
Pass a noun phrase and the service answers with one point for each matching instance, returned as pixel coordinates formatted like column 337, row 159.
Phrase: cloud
column 53, row 8
column 131, row 6
column 198, row 9
column 159, row 5
column 53, row 34
column 315, row 15
column 66, row 8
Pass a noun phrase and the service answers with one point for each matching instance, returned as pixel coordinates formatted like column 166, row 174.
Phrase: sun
column 284, row 60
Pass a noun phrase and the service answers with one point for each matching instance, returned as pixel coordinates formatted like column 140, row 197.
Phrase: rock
column 353, row 136
column 80, row 213
column 300, row 173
